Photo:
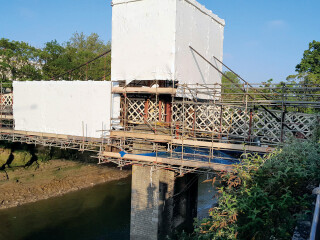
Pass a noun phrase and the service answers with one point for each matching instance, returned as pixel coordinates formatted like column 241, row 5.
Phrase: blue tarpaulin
column 198, row 154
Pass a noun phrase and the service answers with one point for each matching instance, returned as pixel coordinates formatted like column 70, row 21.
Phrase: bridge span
column 201, row 121
column 170, row 135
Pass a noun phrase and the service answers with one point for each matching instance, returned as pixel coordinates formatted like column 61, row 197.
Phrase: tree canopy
column 310, row 62
column 20, row 61
column 308, row 70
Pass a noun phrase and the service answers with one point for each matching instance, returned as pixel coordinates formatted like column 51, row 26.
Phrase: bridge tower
column 151, row 55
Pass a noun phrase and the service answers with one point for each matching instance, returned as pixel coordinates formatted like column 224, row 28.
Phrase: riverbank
column 51, row 179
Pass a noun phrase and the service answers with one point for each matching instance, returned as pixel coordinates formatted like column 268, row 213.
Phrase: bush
column 265, row 196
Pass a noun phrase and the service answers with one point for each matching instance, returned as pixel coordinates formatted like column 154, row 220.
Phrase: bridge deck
column 52, row 140
column 192, row 143
column 169, row 162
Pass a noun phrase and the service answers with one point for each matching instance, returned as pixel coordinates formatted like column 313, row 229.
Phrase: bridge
column 187, row 134
column 174, row 119
column 170, row 136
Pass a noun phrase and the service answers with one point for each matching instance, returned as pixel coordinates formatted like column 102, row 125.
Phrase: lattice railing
column 266, row 127
column 302, row 125
column 6, row 99
column 208, row 118
column 226, row 121
column 135, row 111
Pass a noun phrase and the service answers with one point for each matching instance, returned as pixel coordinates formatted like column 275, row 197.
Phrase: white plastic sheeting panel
column 151, row 39
column 78, row 108
column 143, row 36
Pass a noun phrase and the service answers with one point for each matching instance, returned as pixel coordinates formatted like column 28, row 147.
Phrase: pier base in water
column 161, row 202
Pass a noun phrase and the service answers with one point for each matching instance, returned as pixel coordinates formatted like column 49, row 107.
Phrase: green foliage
column 309, row 68
column 265, row 196
column 55, row 60
column 310, row 62
column 231, row 87
column 81, row 49
column 20, row 61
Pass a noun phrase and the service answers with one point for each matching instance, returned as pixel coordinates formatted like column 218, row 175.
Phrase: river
column 98, row 213
column 101, row 212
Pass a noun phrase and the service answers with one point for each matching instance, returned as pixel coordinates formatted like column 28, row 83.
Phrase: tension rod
column 230, row 80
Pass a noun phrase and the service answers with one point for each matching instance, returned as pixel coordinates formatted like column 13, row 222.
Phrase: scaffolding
column 233, row 117
column 160, row 117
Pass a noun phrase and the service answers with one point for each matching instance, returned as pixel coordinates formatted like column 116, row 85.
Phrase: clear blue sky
column 263, row 39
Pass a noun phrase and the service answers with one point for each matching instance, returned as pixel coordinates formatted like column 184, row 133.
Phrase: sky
column 263, row 38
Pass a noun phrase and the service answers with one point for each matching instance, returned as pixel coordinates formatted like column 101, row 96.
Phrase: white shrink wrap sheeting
column 143, row 36
column 77, row 108
column 151, row 40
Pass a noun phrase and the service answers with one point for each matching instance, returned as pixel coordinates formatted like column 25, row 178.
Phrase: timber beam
column 191, row 143
column 48, row 135
column 6, row 117
column 144, row 90
column 168, row 161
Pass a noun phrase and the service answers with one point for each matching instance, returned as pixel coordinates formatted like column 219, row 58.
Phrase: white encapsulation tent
column 151, row 40
column 77, row 108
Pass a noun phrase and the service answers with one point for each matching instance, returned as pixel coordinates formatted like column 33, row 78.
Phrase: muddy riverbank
column 51, row 179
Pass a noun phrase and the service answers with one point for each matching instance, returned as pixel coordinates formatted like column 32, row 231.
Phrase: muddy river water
column 98, row 213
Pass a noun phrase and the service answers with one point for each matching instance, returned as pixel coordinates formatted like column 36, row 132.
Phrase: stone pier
column 161, row 203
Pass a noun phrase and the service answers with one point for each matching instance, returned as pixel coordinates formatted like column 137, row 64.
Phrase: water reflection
column 101, row 212
column 98, row 213
column 206, row 196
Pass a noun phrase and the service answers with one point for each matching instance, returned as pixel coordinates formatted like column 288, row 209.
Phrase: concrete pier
column 161, row 203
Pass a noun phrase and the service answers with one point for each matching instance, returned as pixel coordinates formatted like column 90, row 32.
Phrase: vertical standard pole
column 168, row 111
column 250, row 125
column 282, row 117
column 170, row 121
column 282, row 126
column 183, row 119
column 246, row 114
column 160, row 111
column 146, row 108
column 157, row 103
column 125, row 110
column 220, row 130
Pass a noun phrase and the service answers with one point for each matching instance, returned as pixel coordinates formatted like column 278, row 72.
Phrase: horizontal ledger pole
column 192, row 143
column 168, row 161
column 144, row 90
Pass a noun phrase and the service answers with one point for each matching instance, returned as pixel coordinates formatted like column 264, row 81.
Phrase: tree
column 309, row 68
column 55, row 60
column 81, row 49
column 19, row 61
column 231, row 87
column 310, row 62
